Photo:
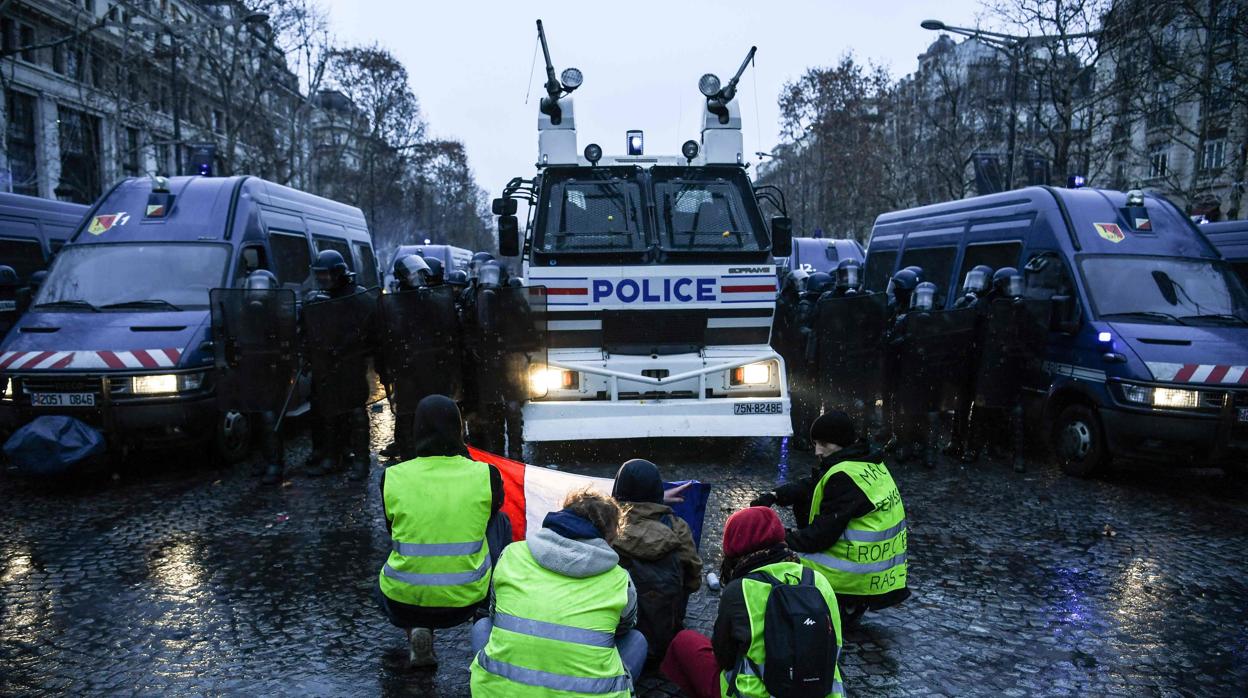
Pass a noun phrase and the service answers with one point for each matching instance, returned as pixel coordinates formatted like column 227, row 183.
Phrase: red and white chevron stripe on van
column 110, row 360
column 1199, row 373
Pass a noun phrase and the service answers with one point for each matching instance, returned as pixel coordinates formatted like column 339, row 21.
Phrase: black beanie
column 834, row 428
column 638, row 481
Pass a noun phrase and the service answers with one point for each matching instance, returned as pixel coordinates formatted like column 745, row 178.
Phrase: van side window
column 368, row 266
column 879, row 269
column 25, row 256
column 1241, row 270
column 1045, row 276
column 995, row 255
column 937, row 264
column 339, row 246
column 250, row 258
column 291, row 259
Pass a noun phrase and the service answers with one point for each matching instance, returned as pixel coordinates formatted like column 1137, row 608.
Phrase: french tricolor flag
column 533, row 492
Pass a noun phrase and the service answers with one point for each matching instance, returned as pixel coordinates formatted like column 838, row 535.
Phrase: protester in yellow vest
column 850, row 517
column 447, row 531
column 562, row 616
column 735, row 656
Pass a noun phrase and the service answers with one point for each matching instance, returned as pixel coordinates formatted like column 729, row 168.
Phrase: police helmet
column 924, row 297
column 977, row 279
column 261, row 280
column 8, row 277
column 490, row 275
column 478, row 260
column 458, row 277
column 905, row 280
column 435, row 271
column 515, row 282
column 1007, row 282
column 795, row 281
column 330, row 269
column 411, row 271
column 848, row 274
column 918, row 271
column 817, row 283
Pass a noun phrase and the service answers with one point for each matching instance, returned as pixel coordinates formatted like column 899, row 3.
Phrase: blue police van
column 1231, row 239
column 33, row 229
column 119, row 335
column 1147, row 353
column 819, row 254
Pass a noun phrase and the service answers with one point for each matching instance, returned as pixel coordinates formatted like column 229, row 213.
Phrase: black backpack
column 800, row 639
column 661, row 599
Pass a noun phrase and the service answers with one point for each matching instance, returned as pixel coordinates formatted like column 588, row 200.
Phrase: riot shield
column 509, row 338
column 255, row 351
column 339, row 337
column 419, row 338
column 1015, row 335
column 937, row 355
column 849, row 332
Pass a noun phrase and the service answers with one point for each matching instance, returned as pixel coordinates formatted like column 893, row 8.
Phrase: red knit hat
column 749, row 530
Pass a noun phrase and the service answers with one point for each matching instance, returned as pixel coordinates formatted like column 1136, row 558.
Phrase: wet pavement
column 183, row 578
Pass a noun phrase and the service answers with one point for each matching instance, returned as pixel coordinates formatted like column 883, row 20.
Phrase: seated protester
column 763, row 639
column 562, row 611
column 852, row 525
column 657, row 549
column 443, row 513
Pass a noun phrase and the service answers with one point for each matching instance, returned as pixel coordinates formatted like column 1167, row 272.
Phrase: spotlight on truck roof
column 708, row 85
column 571, row 79
column 689, row 150
column 593, row 153
column 636, row 143
column 1135, row 197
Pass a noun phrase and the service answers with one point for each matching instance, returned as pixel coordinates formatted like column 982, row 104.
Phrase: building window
column 80, row 156
column 218, row 121
column 20, row 143
column 129, row 152
column 26, row 38
column 8, row 35
column 1159, row 161
column 1213, row 154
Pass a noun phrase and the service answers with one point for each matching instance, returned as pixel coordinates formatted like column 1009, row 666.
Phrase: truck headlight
column 752, row 374
column 543, row 379
column 8, row 390
column 1171, row 398
column 1176, row 397
column 166, row 383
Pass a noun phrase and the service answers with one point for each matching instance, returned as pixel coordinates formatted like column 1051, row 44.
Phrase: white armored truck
column 659, row 280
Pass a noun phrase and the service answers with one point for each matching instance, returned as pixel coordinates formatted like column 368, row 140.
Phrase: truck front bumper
column 640, row 419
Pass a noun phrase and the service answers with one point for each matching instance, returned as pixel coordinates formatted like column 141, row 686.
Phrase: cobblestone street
column 176, row 579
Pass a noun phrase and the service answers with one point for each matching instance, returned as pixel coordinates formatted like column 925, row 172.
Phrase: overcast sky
column 470, row 62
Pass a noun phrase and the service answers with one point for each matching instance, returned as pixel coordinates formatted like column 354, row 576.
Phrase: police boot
column 272, row 473
column 1019, row 438
column 930, row 445
column 420, row 649
column 323, row 466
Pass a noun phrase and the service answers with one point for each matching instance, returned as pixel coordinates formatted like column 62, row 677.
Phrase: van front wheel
column 233, row 439
column 1079, row 442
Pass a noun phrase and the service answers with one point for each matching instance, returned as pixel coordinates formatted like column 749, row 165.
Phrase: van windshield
column 1165, row 290
column 598, row 211
column 700, row 210
column 159, row 276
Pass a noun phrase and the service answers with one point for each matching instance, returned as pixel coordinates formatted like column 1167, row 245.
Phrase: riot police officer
column 988, row 423
column 900, row 290
column 921, row 397
column 479, row 260
column 258, row 283
column 848, row 278
column 340, row 373
column 411, row 272
column 436, row 275
column 805, row 372
column 974, row 291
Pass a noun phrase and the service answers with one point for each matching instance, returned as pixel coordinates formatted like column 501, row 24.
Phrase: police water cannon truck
column 658, row 276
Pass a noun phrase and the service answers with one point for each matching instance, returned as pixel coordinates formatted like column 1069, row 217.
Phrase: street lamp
column 1014, row 47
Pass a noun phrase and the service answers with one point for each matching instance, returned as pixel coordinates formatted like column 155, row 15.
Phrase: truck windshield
column 1165, row 290
column 700, row 211
column 594, row 212
column 160, row 276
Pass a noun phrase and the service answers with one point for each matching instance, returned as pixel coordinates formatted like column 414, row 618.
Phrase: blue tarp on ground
column 52, row 445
